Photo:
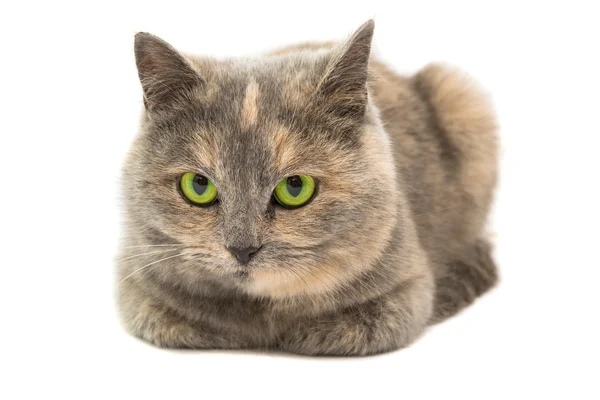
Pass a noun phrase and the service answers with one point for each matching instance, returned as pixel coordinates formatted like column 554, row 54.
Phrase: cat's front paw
column 153, row 322
column 370, row 328
column 163, row 329
column 173, row 335
column 320, row 341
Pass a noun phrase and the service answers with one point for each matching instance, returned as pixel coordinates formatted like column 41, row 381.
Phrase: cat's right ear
column 166, row 76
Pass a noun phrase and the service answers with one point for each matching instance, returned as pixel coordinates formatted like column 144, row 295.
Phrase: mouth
column 242, row 274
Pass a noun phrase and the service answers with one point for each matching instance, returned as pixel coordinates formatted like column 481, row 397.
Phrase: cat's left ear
column 166, row 76
column 344, row 84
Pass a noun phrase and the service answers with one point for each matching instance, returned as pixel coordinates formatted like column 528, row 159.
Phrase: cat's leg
column 147, row 319
column 388, row 322
column 464, row 280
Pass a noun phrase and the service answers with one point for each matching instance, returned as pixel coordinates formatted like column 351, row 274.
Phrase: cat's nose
column 243, row 254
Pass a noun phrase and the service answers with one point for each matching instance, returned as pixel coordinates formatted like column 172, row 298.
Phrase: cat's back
column 443, row 132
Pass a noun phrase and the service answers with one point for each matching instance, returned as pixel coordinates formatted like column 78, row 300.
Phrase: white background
column 69, row 106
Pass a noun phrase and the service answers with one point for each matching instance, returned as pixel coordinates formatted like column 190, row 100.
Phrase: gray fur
column 393, row 240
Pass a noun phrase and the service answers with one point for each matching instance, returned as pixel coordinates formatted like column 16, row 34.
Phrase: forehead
column 245, row 92
column 253, row 117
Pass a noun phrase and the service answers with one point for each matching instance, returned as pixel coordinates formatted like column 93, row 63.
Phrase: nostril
column 243, row 254
column 254, row 250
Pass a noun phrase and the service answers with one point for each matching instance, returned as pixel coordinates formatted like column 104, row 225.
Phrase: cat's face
column 245, row 126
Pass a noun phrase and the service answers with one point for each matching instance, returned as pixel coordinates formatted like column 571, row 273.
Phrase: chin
column 278, row 282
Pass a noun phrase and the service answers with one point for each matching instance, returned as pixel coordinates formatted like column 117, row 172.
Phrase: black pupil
column 200, row 184
column 294, row 185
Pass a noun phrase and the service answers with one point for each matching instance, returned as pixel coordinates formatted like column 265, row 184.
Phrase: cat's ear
column 344, row 84
column 166, row 76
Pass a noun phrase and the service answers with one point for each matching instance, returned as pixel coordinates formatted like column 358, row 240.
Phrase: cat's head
column 273, row 172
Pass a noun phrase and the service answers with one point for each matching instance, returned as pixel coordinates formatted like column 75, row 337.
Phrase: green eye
column 294, row 191
column 198, row 189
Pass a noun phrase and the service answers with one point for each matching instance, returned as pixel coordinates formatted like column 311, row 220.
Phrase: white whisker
column 145, row 254
column 153, row 245
column 148, row 265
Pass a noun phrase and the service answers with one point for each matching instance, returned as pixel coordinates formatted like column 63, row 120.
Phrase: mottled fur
column 393, row 241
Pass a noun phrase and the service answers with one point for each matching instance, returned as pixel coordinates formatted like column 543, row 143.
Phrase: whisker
column 153, row 245
column 148, row 265
column 297, row 275
column 145, row 254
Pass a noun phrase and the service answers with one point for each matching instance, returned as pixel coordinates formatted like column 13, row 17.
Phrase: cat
column 309, row 201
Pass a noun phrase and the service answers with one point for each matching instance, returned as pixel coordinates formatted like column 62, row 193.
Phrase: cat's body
column 392, row 241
